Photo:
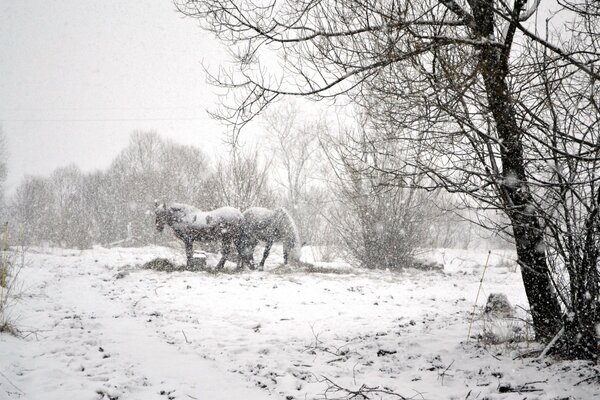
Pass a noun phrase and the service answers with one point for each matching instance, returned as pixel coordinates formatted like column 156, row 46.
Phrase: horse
column 191, row 224
column 262, row 224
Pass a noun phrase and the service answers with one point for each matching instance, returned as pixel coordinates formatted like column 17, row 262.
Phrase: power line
column 105, row 119
column 30, row 109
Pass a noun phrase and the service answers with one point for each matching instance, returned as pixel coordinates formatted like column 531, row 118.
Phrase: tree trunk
column 543, row 301
column 528, row 234
column 579, row 340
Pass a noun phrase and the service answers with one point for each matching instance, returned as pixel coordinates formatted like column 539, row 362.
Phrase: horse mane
column 185, row 208
column 289, row 231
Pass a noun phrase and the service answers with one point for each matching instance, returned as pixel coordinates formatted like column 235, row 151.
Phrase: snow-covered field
column 96, row 325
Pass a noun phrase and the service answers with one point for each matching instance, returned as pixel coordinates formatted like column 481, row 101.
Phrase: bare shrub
column 380, row 225
column 241, row 181
column 11, row 263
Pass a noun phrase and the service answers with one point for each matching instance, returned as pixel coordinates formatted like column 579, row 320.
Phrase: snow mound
column 425, row 265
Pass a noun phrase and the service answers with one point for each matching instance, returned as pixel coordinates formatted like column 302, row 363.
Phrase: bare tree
column 382, row 225
column 454, row 76
column 4, row 212
column 72, row 209
column 151, row 168
column 134, row 177
column 565, row 105
column 295, row 146
column 70, row 224
column 297, row 159
column 241, row 181
column 30, row 214
column 185, row 172
column 3, row 172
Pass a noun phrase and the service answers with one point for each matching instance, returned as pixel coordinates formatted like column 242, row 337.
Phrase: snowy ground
column 96, row 325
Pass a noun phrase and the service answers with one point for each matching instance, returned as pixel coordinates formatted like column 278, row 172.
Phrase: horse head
column 162, row 215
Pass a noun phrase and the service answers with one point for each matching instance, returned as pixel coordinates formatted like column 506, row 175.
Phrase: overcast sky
column 78, row 76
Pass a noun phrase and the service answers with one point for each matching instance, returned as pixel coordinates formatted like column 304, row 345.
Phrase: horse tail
column 289, row 232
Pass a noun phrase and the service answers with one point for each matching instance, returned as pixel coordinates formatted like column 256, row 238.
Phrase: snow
column 192, row 218
column 259, row 213
column 226, row 214
column 92, row 332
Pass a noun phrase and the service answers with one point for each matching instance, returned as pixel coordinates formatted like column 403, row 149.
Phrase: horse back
column 225, row 222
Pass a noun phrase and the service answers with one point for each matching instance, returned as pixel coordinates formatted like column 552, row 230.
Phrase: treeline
column 335, row 207
column 73, row 209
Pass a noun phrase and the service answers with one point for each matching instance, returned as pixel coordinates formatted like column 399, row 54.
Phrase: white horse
column 191, row 224
column 269, row 226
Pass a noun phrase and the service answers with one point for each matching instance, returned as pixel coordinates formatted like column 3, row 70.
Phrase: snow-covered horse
column 262, row 224
column 191, row 224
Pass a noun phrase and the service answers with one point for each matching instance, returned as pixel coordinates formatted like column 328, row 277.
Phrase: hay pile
column 162, row 264
column 165, row 265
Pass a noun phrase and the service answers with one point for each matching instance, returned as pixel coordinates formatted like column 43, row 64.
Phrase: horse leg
column 225, row 251
column 286, row 253
column 239, row 241
column 189, row 252
column 245, row 247
column 265, row 255
column 221, row 263
column 240, row 250
column 250, row 253
column 249, row 256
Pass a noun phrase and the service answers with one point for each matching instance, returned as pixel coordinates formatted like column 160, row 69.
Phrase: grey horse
column 269, row 226
column 191, row 224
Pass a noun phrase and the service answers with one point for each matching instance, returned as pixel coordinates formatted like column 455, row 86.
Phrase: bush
column 11, row 263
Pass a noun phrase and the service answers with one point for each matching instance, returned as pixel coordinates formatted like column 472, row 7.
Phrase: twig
column 26, row 334
column 478, row 291
column 186, row 339
column 588, row 379
column 534, row 382
column 444, row 372
column 9, row 381
column 354, row 373
column 359, row 393
column 419, row 393
column 526, row 387
column 487, row 351
column 551, row 344
column 526, row 354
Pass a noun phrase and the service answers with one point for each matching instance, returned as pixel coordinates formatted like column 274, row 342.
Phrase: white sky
column 78, row 76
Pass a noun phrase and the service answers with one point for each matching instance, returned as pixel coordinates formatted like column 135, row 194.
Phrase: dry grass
column 11, row 263
column 198, row 265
